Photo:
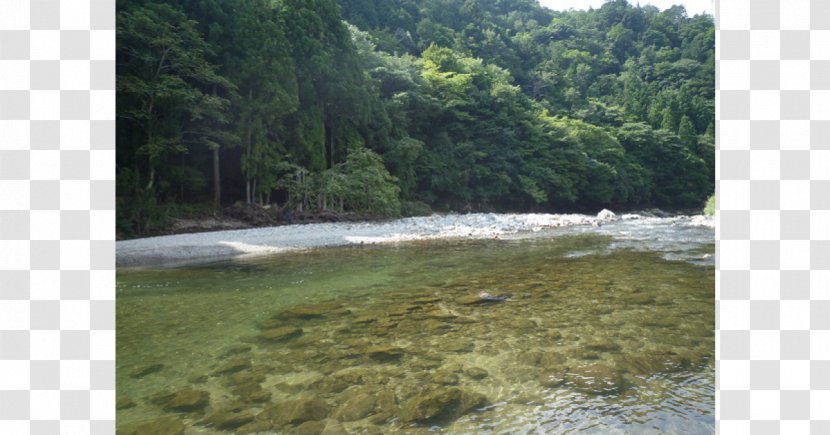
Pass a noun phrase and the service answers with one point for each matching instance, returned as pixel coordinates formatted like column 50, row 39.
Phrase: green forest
column 386, row 108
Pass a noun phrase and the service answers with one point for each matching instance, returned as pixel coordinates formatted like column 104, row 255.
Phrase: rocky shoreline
column 194, row 248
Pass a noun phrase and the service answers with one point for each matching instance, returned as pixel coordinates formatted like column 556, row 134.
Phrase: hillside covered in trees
column 386, row 107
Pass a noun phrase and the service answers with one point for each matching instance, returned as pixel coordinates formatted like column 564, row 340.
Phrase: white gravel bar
column 194, row 248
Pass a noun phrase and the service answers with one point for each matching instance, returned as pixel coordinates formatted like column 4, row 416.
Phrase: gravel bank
column 194, row 248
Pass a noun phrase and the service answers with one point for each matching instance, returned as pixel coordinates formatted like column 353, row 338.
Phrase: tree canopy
column 365, row 105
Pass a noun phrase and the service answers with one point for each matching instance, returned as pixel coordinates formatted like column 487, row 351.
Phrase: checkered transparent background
column 57, row 105
column 773, row 222
column 57, row 216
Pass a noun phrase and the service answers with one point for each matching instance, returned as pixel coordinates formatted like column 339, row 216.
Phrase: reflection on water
column 580, row 331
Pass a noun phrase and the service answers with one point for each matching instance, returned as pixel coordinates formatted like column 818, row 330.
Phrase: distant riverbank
column 205, row 247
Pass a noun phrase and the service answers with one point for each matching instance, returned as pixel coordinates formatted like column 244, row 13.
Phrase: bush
column 709, row 210
column 415, row 208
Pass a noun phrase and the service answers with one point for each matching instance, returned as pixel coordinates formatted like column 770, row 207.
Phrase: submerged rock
column 595, row 379
column 310, row 428
column 443, row 404
column 476, row 372
column 651, row 363
column 283, row 333
column 445, row 378
column 440, row 314
column 228, row 419
column 143, row 371
column 459, row 346
column 162, row 426
column 185, row 400
column 602, row 345
column 357, row 407
column 606, row 215
column 385, row 353
column 638, row 299
column 236, row 350
column 124, row 403
column 481, row 298
column 233, row 366
column 295, row 411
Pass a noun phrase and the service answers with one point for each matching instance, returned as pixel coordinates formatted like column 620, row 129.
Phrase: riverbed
column 599, row 326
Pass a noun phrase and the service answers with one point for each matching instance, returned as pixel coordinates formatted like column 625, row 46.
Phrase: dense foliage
column 369, row 104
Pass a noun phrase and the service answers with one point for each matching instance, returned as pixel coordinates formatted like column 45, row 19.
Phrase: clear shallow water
column 604, row 329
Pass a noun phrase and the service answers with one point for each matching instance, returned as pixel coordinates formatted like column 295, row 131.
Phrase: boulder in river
column 227, row 419
column 184, row 400
column 606, row 215
column 161, row 426
column 143, row 371
column 283, row 333
column 595, row 379
column 481, row 298
column 385, row 352
column 476, row 372
column 440, row 405
column 233, row 366
column 357, row 407
column 295, row 411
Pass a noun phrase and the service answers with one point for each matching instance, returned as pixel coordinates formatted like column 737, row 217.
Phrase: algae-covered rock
column 124, row 403
column 480, row 299
column 162, row 426
column 282, row 333
column 186, row 400
column 233, row 366
column 143, row 371
column 357, row 407
column 295, row 411
column 651, row 363
column 228, row 419
column 638, row 299
column 385, row 352
column 460, row 346
column 476, row 372
column 602, row 345
column 310, row 428
column 443, row 404
column 440, row 314
column 255, row 426
column 236, row 350
column 445, row 378
column 596, row 379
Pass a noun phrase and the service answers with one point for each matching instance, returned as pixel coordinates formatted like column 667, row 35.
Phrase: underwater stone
column 255, row 426
column 185, row 400
column 459, row 346
column 124, row 403
column 483, row 298
column 638, row 299
column 602, row 345
column 440, row 315
column 295, row 411
column 143, row 371
column 595, row 379
column 233, row 366
column 162, row 426
column 310, row 428
column 476, row 372
column 440, row 405
column 283, row 333
column 236, row 350
column 359, row 406
column 228, row 419
column 445, row 378
column 385, row 353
